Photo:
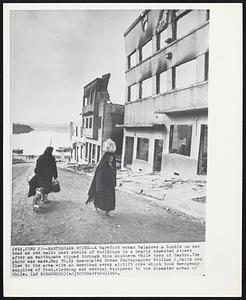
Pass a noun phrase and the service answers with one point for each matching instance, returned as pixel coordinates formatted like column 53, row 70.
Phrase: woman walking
column 46, row 170
column 102, row 189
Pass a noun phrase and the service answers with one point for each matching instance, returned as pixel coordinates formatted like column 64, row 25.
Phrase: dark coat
column 46, row 170
column 33, row 184
column 102, row 189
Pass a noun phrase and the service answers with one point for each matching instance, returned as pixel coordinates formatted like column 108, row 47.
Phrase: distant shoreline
column 21, row 128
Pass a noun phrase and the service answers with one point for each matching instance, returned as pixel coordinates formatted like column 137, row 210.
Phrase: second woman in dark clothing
column 46, row 170
column 102, row 189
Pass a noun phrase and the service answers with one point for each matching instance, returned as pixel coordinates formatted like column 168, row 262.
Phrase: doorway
column 203, row 151
column 158, row 155
column 128, row 150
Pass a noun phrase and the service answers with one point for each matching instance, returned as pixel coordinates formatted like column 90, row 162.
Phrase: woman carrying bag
column 102, row 189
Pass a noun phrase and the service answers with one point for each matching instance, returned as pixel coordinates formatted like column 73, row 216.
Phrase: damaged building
column 166, row 110
column 99, row 117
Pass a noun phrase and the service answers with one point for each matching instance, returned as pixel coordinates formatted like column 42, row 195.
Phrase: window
column 81, row 147
column 180, row 139
column 143, row 149
column 185, row 74
column 81, row 131
column 86, row 149
column 206, row 66
column 161, row 83
column 161, row 39
column 93, row 151
column 146, row 88
column 132, row 93
column 99, row 122
column 186, row 23
column 146, row 50
column 132, row 60
column 86, row 123
column 83, row 123
column 76, row 128
column 90, row 124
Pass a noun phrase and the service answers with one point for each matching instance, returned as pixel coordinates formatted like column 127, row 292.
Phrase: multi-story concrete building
column 166, row 111
column 77, row 142
column 99, row 120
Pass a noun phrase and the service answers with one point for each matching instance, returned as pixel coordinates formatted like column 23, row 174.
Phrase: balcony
column 143, row 112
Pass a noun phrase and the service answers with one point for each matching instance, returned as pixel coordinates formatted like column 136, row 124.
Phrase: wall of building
column 185, row 105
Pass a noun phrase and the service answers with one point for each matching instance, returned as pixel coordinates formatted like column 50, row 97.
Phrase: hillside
column 21, row 128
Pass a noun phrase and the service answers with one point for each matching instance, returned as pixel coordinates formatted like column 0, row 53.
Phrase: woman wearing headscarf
column 46, row 170
column 102, row 189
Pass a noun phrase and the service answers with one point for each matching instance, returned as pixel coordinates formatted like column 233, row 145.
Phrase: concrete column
column 134, row 148
column 151, row 152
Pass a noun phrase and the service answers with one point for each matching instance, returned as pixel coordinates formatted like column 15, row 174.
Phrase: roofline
column 143, row 13
column 91, row 82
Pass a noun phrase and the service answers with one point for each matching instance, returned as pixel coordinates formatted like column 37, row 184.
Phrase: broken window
column 180, row 139
column 206, row 66
column 132, row 93
column 185, row 74
column 93, row 151
column 161, row 39
column 146, row 50
column 161, row 83
column 99, row 122
column 90, row 123
column 143, row 149
column 86, row 149
column 132, row 60
column 186, row 23
column 146, row 88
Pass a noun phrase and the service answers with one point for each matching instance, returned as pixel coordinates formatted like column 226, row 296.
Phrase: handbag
column 56, row 186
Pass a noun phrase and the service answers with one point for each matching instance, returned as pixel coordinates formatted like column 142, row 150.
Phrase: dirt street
column 67, row 220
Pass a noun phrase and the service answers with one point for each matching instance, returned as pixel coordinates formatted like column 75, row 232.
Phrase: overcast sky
column 55, row 53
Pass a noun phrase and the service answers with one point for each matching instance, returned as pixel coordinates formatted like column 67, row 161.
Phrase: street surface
column 67, row 220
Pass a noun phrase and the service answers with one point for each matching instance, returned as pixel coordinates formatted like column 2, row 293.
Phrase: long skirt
column 105, row 200
column 45, row 183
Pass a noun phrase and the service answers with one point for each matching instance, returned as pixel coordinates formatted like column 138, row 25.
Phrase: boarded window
column 143, row 149
column 185, row 74
column 132, row 93
column 146, row 50
column 132, row 60
column 180, row 139
column 146, row 88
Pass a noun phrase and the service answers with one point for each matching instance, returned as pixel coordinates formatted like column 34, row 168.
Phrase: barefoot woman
column 102, row 189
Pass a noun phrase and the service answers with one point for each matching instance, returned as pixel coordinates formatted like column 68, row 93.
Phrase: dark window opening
column 98, row 153
column 158, row 155
column 99, row 122
column 180, row 139
column 203, row 151
column 206, row 65
column 142, row 149
column 90, row 124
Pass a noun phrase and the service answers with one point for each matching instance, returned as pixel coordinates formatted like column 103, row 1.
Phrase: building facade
column 99, row 120
column 166, row 110
column 76, row 141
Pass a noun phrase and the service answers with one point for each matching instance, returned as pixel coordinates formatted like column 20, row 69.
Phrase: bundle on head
column 109, row 146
